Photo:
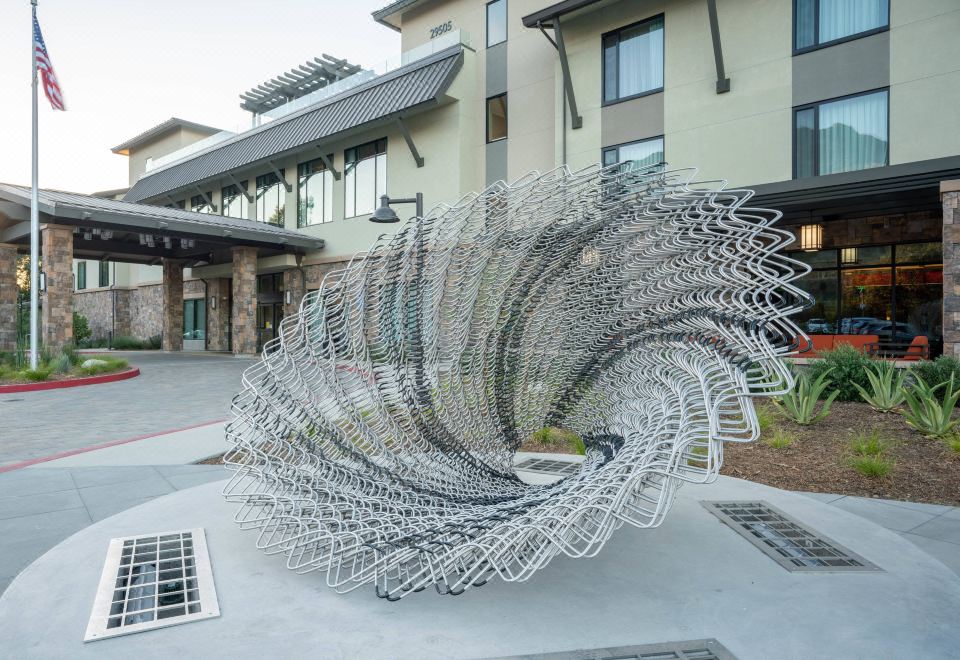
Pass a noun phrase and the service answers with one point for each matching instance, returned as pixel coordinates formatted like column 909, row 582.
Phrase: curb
column 72, row 382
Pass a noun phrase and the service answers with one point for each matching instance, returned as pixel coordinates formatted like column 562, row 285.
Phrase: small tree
column 81, row 328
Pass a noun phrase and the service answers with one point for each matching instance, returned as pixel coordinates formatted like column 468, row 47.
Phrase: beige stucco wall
column 924, row 79
column 167, row 143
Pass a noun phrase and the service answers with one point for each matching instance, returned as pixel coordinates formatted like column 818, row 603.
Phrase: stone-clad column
column 950, row 196
column 244, row 317
column 218, row 314
column 8, row 297
column 57, row 264
column 172, row 336
column 293, row 284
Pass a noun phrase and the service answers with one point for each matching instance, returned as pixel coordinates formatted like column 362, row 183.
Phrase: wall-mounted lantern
column 811, row 237
column 849, row 256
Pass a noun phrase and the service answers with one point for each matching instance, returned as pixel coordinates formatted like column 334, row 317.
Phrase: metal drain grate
column 547, row 466
column 153, row 581
column 697, row 649
column 786, row 540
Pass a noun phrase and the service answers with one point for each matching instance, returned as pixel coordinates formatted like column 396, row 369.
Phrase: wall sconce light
column 849, row 256
column 288, row 296
column 213, row 302
column 43, row 281
column 811, row 237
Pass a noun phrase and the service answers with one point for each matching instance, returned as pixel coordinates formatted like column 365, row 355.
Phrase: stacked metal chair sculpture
column 374, row 442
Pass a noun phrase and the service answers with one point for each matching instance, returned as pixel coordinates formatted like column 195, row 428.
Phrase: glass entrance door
column 269, row 316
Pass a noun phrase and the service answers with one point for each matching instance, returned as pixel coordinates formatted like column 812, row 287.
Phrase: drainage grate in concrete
column 547, row 466
column 153, row 581
column 785, row 540
column 697, row 649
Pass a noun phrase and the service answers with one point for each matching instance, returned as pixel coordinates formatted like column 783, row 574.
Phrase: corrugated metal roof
column 386, row 96
column 128, row 214
column 160, row 129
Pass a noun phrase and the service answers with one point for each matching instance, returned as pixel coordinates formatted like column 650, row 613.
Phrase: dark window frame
column 839, row 267
column 195, row 303
column 833, row 42
column 232, row 191
column 506, row 23
column 81, row 275
column 274, row 180
column 198, row 200
column 104, row 267
column 350, row 165
column 604, row 150
column 301, row 175
column 603, row 63
column 506, row 117
column 816, row 130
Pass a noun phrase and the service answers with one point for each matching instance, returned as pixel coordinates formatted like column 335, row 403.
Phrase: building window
column 496, row 118
column 842, row 135
column 365, row 177
column 271, row 198
column 81, row 275
column 182, row 204
column 639, row 155
column 198, row 203
column 104, row 278
column 195, row 318
column 314, row 193
column 633, row 60
column 819, row 23
column 233, row 202
column 496, row 22
column 892, row 291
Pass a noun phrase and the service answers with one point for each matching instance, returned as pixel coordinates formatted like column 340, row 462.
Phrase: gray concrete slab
column 897, row 518
column 27, row 505
column 21, row 483
column 946, row 552
column 89, row 477
column 691, row 578
column 125, row 491
column 174, row 390
column 823, row 497
column 941, row 529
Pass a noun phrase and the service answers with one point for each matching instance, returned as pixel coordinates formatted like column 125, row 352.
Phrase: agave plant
column 886, row 385
column 800, row 403
column 926, row 413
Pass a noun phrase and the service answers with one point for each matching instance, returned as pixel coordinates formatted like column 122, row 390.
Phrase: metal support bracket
column 242, row 188
column 576, row 121
column 410, row 145
column 723, row 83
column 206, row 198
column 329, row 163
column 172, row 201
column 276, row 170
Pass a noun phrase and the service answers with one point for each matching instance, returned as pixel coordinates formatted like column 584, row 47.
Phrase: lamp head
column 384, row 214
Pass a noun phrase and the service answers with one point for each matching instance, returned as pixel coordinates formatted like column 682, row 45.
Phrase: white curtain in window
column 853, row 133
column 642, row 154
column 641, row 58
column 842, row 18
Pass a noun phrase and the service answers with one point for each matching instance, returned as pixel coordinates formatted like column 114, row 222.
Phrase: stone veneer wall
column 8, row 297
column 244, row 323
column 146, row 311
column 218, row 317
column 57, row 254
column 106, row 310
column 172, row 305
column 950, row 196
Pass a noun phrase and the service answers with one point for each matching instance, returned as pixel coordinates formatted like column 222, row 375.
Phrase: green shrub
column 551, row 435
column 38, row 374
column 847, row 367
column 766, row 417
column 112, row 364
column 925, row 410
column 872, row 466
column 800, row 403
column 81, row 328
column 153, row 343
column 868, row 443
column 780, row 439
column 61, row 364
column 936, row 372
column 71, row 354
column 126, row 343
column 886, row 387
column 698, row 451
column 954, row 444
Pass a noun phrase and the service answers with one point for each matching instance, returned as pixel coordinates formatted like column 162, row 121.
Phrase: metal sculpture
column 374, row 441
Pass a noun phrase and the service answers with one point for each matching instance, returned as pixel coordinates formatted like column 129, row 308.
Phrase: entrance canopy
column 115, row 230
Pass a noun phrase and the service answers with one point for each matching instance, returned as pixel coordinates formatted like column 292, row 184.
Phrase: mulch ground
column 924, row 470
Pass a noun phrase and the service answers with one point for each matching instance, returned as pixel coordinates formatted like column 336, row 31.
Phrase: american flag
column 50, row 85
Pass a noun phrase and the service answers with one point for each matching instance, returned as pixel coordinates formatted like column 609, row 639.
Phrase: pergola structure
column 88, row 227
column 308, row 77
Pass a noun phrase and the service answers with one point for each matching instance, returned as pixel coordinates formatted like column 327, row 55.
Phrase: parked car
column 889, row 331
column 819, row 327
column 854, row 325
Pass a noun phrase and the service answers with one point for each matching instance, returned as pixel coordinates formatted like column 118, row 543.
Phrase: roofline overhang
column 903, row 177
column 161, row 129
column 545, row 15
column 381, row 15
column 72, row 215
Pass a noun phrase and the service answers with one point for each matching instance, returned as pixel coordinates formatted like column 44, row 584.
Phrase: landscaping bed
column 67, row 365
column 819, row 458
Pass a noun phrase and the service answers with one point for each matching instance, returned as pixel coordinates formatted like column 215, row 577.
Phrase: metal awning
column 382, row 100
column 140, row 233
column 308, row 77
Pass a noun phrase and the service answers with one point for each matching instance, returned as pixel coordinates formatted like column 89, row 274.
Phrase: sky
column 127, row 65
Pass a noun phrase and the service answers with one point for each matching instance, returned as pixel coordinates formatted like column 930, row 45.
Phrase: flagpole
column 34, row 207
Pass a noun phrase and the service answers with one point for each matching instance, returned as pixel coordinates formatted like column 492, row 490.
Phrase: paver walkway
column 174, row 390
